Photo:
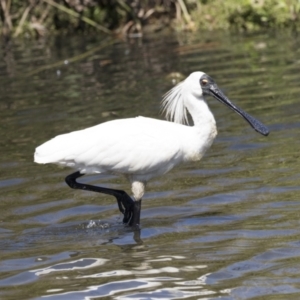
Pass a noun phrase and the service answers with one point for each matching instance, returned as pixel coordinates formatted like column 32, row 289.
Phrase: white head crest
column 173, row 101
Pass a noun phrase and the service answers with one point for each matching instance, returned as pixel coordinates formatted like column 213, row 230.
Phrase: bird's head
column 198, row 85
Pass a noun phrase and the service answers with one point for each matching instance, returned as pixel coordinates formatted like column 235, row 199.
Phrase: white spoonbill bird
column 142, row 148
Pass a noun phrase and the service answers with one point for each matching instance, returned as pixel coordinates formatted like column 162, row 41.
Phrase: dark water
column 223, row 228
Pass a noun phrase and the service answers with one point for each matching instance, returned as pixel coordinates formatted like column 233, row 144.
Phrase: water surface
column 226, row 227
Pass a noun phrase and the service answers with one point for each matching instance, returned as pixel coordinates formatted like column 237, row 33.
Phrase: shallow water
column 223, row 228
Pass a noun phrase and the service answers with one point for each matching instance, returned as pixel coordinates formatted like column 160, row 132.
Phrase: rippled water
column 223, row 228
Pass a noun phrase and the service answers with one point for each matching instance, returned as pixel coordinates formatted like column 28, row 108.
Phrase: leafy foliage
column 130, row 17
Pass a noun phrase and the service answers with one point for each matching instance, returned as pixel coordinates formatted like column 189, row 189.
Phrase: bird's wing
column 137, row 146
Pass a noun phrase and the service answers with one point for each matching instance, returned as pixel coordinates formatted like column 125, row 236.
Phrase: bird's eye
column 204, row 81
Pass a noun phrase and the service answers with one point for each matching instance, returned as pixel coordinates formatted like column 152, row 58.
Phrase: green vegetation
column 248, row 14
column 132, row 17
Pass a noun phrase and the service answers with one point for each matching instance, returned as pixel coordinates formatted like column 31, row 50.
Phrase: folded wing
column 129, row 146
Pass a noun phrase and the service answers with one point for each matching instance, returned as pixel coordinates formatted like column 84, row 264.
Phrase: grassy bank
column 132, row 17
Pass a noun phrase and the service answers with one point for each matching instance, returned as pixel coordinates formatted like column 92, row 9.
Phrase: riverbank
column 133, row 17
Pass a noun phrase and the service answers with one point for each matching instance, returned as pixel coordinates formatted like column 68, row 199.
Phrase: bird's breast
column 199, row 141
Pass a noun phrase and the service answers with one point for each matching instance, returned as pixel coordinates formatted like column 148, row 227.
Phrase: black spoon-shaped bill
column 255, row 124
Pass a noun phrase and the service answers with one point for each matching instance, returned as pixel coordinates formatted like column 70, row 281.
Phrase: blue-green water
column 226, row 227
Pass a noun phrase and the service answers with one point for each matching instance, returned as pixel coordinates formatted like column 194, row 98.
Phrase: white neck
column 204, row 128
column 199, row 110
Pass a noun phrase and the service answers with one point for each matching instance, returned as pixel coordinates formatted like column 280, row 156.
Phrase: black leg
column 135, row 220
column 127, row 205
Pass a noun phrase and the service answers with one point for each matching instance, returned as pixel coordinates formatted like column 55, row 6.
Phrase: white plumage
column 141, row 148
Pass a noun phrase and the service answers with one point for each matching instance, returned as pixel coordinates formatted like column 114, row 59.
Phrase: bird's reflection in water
column 111, row 233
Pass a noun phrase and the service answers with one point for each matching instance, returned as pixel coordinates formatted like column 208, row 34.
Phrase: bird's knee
column 70, row 182
column 71, row 179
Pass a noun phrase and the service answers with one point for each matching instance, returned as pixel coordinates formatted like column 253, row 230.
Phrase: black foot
column 128, row 207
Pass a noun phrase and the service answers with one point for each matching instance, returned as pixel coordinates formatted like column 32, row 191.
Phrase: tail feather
column 55, row 150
